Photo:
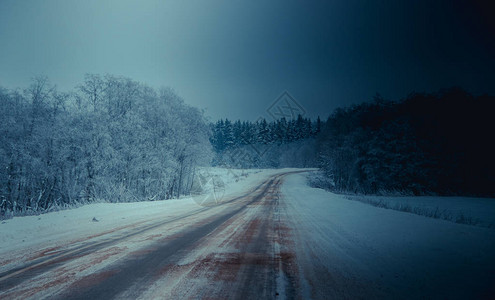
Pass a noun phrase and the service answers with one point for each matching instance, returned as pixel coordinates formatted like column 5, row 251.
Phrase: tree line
column 118, row 140
column 261, row 144
column 439, row 143
column 110, row 139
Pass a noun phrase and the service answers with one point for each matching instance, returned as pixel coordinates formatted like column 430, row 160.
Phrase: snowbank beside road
column 349, row 249
column 464, row 210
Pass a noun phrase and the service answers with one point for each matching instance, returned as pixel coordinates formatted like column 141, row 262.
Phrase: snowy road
column 230, row 250
column 281, row 239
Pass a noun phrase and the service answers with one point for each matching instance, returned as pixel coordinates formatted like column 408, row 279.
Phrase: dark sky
column 235, row 58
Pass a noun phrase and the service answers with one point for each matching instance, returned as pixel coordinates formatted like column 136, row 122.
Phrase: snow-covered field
column 349, row 249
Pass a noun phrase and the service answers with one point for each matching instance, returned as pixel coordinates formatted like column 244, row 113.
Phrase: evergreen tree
column 228, row 134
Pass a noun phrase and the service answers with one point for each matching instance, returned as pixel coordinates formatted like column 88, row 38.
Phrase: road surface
column 270, row 243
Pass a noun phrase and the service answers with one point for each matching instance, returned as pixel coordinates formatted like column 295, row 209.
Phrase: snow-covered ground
column 466, row 210
column 60, row 227
column 348, row 249
column 327, row 245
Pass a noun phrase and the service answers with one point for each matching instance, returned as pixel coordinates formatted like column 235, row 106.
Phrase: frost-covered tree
column 113, row 139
